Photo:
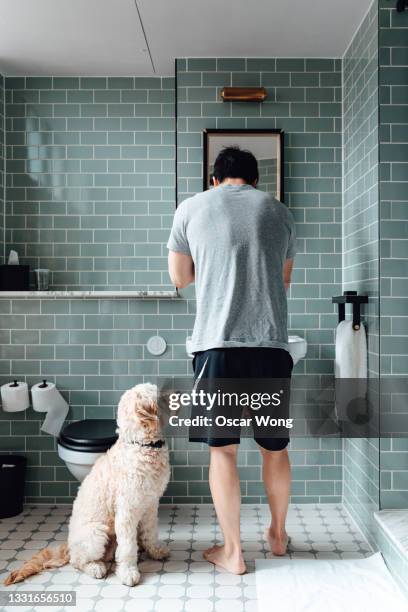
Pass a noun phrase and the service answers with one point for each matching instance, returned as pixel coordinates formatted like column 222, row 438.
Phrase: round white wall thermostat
column 156, row 345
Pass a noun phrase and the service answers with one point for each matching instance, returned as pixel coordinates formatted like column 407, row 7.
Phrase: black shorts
column 236, row 365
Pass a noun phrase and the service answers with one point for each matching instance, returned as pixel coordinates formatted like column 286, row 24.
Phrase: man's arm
column 287, row 272
column 181, row 269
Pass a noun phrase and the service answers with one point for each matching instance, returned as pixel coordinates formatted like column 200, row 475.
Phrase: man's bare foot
column 209, row 550
column 234, row 564
column 278, row 542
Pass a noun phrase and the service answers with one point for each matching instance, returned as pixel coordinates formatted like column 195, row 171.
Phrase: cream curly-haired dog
column 117, row 503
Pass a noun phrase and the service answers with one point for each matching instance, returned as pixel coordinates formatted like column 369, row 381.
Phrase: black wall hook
column 350, row 297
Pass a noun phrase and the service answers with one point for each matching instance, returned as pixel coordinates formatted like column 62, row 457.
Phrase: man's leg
column 276, row 477
column 226, row 494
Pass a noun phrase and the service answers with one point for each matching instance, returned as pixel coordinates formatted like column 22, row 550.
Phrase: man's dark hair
column 233, row 162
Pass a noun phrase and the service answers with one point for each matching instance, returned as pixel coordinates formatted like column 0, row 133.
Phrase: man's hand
column 181, row 269
column 287, row 272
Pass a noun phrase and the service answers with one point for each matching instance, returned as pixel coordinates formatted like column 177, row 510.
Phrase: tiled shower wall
column 360, row 178
column 304, row 99
column 360, row 242
column 393, row 234
column 90, row 178
column 2, row 166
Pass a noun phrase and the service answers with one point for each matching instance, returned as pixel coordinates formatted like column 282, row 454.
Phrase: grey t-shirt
column 239, row 238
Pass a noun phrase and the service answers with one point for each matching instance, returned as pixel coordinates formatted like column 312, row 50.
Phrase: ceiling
column 142, row 37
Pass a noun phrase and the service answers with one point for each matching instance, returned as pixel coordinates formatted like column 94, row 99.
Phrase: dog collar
column 157, row 444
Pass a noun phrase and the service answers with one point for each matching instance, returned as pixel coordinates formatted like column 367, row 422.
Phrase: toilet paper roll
column 47, row 398
column 14, row 396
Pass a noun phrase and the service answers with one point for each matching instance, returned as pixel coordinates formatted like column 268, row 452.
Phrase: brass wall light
column 244, row 94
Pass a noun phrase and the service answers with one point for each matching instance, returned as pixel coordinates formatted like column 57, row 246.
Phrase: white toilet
column 81, row 443
column 297, row 348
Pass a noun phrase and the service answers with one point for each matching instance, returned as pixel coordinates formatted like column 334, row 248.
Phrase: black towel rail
column 350, row 297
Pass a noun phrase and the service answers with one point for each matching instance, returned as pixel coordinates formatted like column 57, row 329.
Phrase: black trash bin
column 12, row 481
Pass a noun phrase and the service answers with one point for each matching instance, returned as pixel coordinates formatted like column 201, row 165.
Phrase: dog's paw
column 128, row 574
column 95, row 569
column 158, row 551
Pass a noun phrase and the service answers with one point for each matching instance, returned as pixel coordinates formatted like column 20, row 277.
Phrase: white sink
column 297, row 347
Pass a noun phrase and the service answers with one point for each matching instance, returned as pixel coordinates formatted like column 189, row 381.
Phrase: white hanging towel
column 351, row 364
column 351, row 351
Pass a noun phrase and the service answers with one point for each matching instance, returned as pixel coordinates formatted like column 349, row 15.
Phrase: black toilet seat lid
column 90, row 435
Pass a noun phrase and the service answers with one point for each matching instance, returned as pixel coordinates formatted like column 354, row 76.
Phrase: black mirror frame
column 208, row 132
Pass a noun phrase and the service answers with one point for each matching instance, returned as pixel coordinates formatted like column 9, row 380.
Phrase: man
column 238, row 243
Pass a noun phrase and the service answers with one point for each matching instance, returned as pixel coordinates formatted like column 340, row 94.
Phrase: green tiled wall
column 90, row 178
column 360, row 242
column 375, row 220
column 393, row 233
column 360, row 178
column 98, row 151
column 95, row 349
column 304, row 99
column 2, row 167
column 267, row 175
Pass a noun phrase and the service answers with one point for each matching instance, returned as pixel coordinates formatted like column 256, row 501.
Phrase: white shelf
column 167, row 295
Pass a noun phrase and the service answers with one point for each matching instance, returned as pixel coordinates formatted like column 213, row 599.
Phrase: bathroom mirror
column 265, row 144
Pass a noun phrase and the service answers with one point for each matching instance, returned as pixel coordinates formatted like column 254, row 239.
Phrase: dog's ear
column 138, row 409
column 148, row 415
column 147, row 409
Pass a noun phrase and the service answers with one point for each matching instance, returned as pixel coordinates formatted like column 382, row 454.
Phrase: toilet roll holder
column 350, row 297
